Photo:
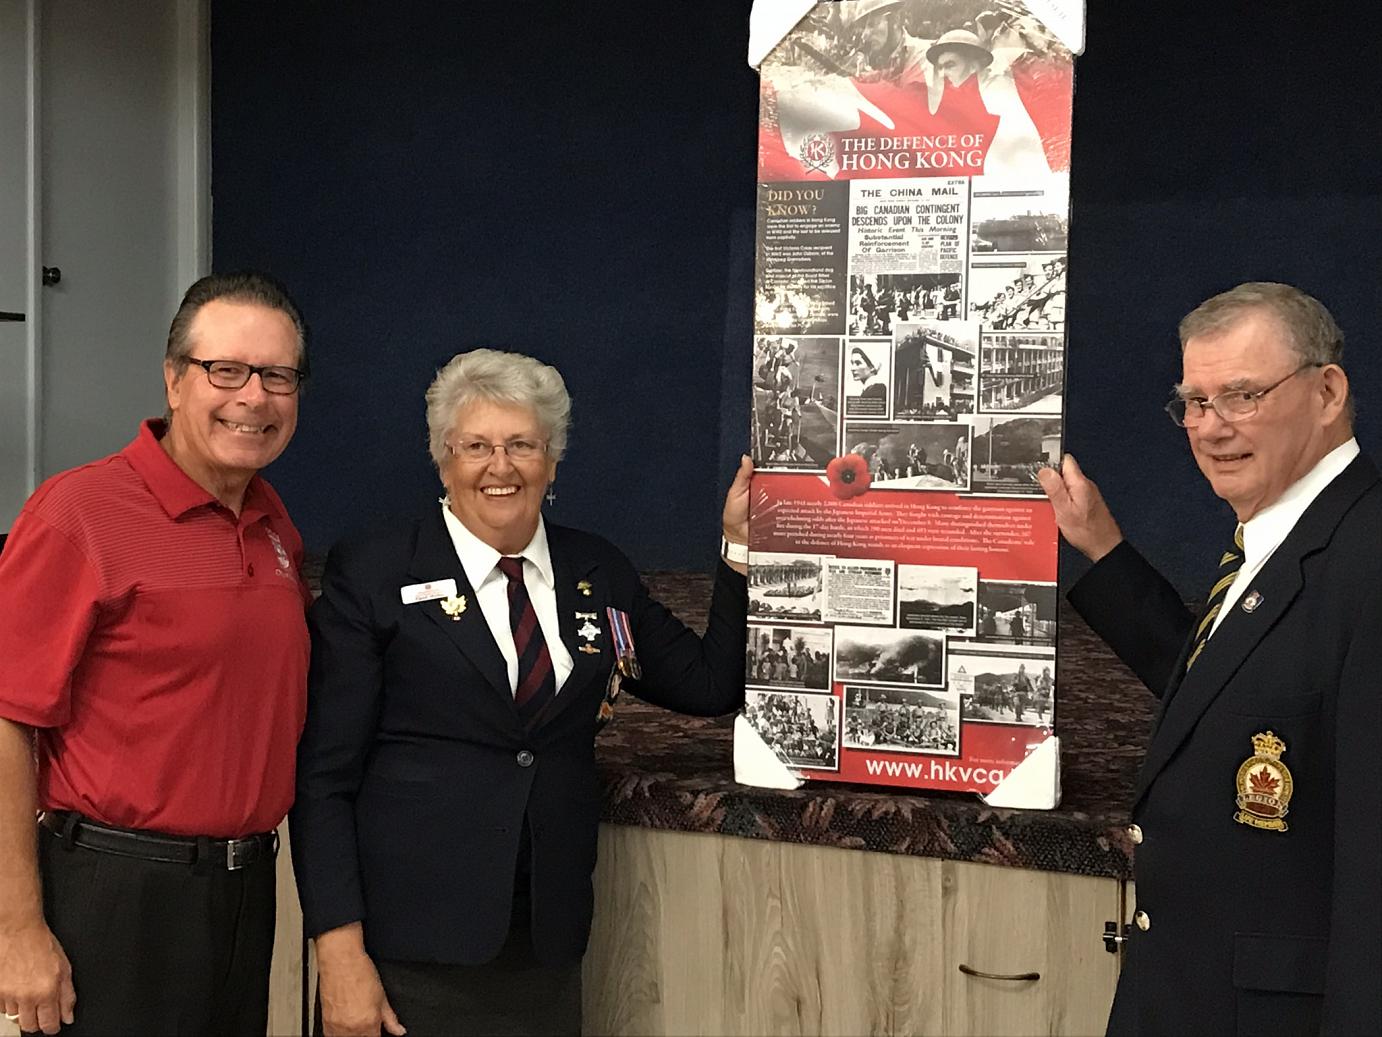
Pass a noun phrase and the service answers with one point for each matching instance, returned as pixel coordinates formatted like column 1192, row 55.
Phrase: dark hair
column 873, row 368
column 243, row 286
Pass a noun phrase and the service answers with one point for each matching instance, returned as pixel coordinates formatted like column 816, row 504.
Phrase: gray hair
column 1313, row 336
column 497, row 377
column 1311, row 333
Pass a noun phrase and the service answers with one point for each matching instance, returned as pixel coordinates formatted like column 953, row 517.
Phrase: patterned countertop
column 662, row 770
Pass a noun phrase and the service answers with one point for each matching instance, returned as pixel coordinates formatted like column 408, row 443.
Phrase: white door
column 16, row 317
column 114, row 96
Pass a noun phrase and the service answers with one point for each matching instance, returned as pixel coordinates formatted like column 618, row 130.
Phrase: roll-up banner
column 908, row 375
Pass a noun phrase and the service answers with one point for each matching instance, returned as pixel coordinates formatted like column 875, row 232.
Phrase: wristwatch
column 732, row 552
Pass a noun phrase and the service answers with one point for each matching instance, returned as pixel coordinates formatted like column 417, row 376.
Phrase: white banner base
column 1034, row 784
column 755, row 763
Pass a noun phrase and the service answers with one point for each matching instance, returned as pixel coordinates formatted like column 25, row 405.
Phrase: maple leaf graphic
column 1262, row 781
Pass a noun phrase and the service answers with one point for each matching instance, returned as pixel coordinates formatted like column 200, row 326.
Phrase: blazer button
column 525, row 758
column 1143, row 921
column 1135, row 834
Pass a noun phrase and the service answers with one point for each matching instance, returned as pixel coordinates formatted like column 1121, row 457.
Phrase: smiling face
column 498, row 499
column 221, row 437
column 1251, row 463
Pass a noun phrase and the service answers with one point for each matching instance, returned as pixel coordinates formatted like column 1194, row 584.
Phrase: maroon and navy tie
column 537, row 682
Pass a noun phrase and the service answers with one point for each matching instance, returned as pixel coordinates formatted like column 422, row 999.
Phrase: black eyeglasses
column 1235, row 405
column 231, row 374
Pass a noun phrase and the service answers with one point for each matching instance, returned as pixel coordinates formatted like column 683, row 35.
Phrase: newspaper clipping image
column 908, row 385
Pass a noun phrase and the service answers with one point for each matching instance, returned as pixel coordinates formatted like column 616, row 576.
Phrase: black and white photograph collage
column 935, row 647
column 895, row 691
column 946, row 369
column 788, row 658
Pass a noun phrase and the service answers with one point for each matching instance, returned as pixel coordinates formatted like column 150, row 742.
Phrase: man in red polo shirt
column 153, row 660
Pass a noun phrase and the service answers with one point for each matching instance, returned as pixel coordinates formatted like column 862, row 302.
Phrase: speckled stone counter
column 672, row 772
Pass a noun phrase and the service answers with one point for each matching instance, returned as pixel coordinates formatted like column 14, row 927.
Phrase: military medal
column 1251, row 601
column 453, row 606
column 584, row 587
column 606, row 713
column 587, row 630
column 589, row 650
column 622, row 633
column 1264, row 785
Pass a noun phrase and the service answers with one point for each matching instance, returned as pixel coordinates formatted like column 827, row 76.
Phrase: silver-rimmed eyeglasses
column 477, row 450
column 1234, row 405
column 232, row 374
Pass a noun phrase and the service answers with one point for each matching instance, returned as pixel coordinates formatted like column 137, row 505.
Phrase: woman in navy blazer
column 444, row 834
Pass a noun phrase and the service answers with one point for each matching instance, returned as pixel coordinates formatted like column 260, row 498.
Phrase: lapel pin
column 454, row 606
column 589, row 650
column 1264, row 785
column 584, row 587
column 1251, row 602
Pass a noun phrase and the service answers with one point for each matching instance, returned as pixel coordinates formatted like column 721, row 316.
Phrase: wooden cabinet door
column 1010, row 922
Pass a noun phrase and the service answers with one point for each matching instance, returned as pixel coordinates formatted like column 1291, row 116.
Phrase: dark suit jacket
column 415, row 774
column 1255, row 931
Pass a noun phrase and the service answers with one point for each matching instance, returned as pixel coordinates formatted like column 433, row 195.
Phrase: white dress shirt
column 1265, row 531
column 481, row 565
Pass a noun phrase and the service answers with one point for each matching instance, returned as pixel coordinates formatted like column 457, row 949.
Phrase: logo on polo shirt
column 285, row 565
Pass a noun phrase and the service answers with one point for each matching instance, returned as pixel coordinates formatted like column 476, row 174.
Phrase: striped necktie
column 1229, row 565
column 537, row 682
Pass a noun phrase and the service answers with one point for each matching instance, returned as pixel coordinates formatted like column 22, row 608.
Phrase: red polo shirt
column 158, row 643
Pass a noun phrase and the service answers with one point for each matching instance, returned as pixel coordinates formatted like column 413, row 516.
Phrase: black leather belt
column 230, row 854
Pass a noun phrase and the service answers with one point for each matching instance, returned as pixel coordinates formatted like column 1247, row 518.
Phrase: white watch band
column 734, row 552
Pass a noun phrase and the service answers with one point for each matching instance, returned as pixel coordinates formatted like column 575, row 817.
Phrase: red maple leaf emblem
column 1263, row 782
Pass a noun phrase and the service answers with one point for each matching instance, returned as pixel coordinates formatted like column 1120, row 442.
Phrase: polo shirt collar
column 176, row 491
column 480, row 561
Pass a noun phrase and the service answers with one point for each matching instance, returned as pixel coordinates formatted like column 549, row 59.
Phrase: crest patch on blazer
column 1264, row 785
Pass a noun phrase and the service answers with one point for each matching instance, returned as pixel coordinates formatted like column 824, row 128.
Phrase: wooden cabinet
column 1008, row 922
column 702, row 934
column 706, row 934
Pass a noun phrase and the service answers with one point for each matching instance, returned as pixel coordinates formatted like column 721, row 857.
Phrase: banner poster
column 908, row 374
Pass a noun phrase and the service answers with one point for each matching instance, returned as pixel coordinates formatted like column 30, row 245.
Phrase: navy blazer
column 415, row 773
column 1255, row 931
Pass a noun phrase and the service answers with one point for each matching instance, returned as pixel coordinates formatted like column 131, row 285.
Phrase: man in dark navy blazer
column 445, row 828
column 1256, row 813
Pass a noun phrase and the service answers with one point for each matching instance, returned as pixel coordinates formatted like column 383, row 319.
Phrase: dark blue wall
column 577, row 183
column 556, row 179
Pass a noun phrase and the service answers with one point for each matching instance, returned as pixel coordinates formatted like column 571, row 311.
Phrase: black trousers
column 159, row 948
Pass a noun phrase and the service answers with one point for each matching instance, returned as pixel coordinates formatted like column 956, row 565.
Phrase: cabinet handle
column 1017, row 977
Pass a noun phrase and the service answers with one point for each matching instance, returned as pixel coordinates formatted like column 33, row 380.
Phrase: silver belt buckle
column 233, row 862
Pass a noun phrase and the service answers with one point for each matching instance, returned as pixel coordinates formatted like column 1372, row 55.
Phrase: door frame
column 192, row 203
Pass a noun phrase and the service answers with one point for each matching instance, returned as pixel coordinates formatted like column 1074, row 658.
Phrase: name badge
column 416, row 592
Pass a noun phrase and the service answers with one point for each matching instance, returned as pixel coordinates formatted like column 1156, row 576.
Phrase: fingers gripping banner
column 908, row 373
